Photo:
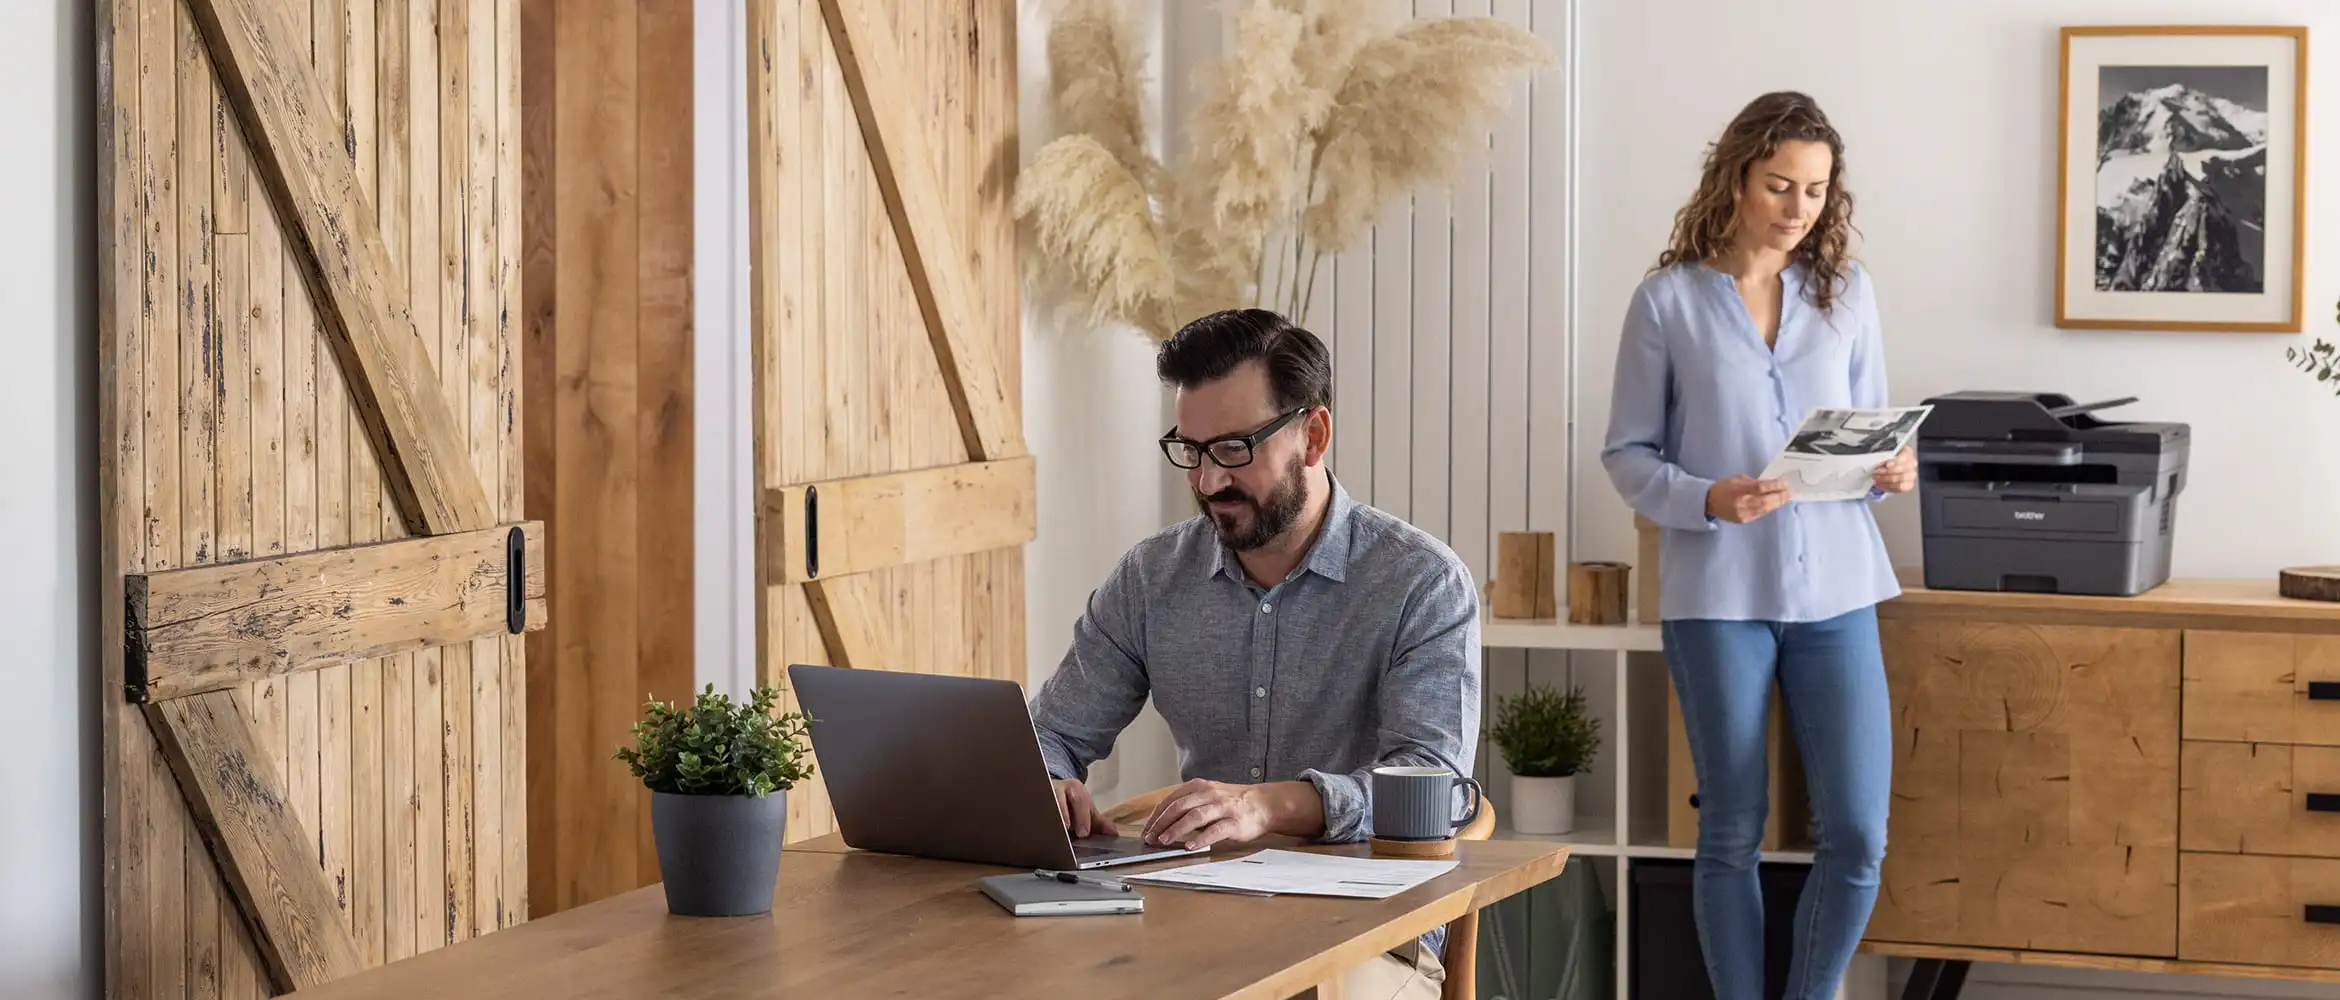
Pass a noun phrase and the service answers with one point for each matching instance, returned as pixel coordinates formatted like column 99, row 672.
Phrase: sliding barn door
column 895, row 491
column 316, row 573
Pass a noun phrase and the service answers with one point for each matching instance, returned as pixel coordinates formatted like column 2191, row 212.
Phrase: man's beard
column 1269, row 520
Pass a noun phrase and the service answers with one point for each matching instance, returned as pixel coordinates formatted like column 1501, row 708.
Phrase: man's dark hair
column 1299, row 369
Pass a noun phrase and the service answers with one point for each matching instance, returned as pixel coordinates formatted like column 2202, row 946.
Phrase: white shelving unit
column 1633, row 751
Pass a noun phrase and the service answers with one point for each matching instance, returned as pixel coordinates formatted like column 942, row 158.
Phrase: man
column 1292, row 638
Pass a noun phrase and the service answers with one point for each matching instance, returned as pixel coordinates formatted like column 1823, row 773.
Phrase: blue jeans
column 1831, row 678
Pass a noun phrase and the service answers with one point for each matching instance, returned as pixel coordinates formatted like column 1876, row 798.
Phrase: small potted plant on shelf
column 1547, row 738
column 719, row 773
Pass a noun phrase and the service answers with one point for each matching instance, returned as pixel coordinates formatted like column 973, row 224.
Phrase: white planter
column 1543, row 805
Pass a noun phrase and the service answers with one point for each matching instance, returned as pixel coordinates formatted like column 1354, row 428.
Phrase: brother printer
column 2031, row 492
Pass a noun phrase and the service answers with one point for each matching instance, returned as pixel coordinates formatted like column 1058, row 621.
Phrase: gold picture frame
column 2188, row 196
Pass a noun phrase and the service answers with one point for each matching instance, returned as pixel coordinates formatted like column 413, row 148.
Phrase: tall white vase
column 1543, row 805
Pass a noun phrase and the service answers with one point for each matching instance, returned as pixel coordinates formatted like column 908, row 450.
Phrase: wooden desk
column 858, row 924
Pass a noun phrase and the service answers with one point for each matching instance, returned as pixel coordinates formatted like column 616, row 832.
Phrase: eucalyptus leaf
column 717, row 746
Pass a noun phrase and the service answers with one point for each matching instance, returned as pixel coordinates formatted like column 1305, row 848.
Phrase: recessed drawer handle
column 2323, row 913
column 2324, row 690
column 2323, row 802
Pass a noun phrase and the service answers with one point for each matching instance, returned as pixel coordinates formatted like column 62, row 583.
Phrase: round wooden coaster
column 2310, row 583
column 1413, row 848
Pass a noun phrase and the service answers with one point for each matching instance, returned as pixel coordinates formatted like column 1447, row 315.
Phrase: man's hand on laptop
column 1080, row 814
column 1199, row 813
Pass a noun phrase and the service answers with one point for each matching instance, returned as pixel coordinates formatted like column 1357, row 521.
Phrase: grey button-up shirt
column 1367, row 655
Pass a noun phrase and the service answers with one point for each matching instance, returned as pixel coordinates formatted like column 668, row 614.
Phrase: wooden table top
column 854, row 924
column 2182, row 602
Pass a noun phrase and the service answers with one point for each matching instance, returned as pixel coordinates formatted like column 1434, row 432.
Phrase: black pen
column 1073, row 878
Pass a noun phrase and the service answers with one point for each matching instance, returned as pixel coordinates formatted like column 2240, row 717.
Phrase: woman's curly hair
column 1703, row 228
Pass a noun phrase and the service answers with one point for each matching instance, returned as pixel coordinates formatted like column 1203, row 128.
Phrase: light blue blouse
column 1699, row 398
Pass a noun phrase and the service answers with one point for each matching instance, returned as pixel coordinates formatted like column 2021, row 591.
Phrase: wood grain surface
column 868, row 925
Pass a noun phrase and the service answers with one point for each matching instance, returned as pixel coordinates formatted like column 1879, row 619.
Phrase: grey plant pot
column 718, row 854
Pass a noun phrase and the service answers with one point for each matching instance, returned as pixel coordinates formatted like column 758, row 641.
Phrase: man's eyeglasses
column 1233, row 451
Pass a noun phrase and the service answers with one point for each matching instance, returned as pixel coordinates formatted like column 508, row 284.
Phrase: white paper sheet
column 1273, row 872
column 1835, row 454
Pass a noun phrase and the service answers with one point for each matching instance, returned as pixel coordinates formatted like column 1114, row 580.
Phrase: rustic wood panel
column 313, row 175
column 2262, row 686
column 907, row 517
column 213, row 755
column 847, row 379
column 2245, row 908
column 2034, row 788
column 224, row 625
column 607, row 230
column 231, row 435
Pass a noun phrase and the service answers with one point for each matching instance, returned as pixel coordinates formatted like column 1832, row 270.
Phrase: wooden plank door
column 314, row 559
column 895, row 488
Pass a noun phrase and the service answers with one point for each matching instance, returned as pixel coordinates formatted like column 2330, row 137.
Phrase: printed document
column 1835, row 455
column 1273, row 872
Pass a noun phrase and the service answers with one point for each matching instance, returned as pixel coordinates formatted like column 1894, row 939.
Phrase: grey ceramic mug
column 1417, row 803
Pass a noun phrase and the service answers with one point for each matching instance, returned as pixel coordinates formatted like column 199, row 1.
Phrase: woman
column 1754, row 316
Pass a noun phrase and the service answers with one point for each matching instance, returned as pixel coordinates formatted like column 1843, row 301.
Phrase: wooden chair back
column 1461, row 957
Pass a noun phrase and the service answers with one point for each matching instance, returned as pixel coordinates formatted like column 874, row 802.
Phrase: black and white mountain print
column 2181, row 179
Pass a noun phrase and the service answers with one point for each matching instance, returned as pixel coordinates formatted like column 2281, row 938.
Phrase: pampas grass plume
column 1415, row 103
column 1096, row 70
column 1089, row 215
column 1247, row 134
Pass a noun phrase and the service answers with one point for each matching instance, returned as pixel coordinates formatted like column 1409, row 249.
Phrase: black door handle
column 2323, row 913
column 2324, row 690
column 2323, row 802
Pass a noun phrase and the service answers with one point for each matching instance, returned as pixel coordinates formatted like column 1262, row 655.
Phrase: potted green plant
column 1546, row 738
column 719, row 774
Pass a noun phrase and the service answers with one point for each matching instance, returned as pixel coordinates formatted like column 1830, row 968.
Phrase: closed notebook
column 1027, row 895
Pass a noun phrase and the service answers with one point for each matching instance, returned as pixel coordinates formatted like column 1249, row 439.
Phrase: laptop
column 944, row 767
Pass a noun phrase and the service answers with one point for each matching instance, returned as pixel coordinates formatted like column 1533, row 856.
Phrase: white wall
column 1949, row 110
column 49, row 810
column 723, row 631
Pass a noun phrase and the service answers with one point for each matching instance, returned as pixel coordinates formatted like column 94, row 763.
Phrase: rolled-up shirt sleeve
column 1101, row 683
column 1640, row 405
column 1428, row 701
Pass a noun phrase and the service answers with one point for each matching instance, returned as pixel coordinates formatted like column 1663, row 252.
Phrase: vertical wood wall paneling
column 230, row 435
column 427, row 275
column 393, row 181
column 607, row 361
column 450, row 912
column 1447, row 325
column 198, row 437
column 664, row 418
column 512, row 904
column 846, row 379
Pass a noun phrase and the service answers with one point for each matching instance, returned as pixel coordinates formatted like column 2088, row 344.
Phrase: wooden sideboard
column 2148, row 783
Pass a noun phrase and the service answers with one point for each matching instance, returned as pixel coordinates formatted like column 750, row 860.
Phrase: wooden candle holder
column 1524, row 584
column 1597, row 592
column 1646, row 558
column 2310, row 583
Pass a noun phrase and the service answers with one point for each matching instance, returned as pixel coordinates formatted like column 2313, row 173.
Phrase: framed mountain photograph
column 2183, row 159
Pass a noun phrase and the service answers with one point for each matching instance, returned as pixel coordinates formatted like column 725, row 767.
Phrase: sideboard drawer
column 2263, row 687
column 2259, row 798
column 2259, row 910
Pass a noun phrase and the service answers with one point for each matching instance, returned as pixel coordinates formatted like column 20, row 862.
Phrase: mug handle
column 1478, row 797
